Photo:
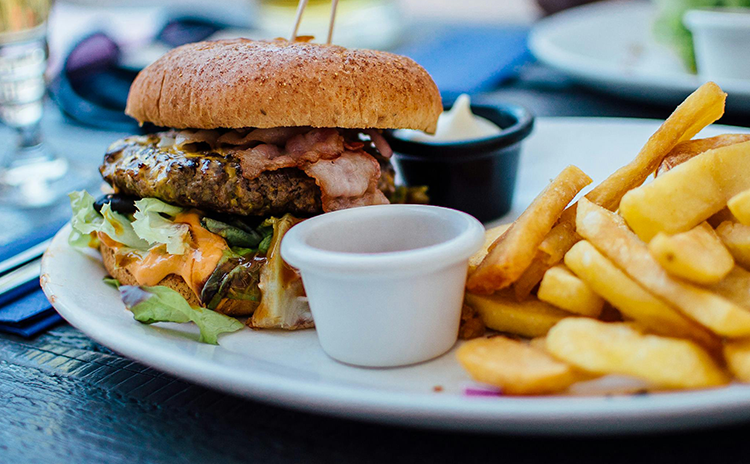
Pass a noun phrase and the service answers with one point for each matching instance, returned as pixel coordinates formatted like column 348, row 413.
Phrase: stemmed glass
column 31, row 175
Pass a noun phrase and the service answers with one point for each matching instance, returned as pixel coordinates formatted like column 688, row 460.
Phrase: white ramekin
column 721, row 38
column 385, row 283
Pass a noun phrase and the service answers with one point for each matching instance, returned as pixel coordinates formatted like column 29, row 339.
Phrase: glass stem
column 29, row 146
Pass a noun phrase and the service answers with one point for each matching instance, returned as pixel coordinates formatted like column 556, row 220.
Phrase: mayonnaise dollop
column 455, row 125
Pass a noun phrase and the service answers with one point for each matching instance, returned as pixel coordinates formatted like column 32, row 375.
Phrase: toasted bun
column 248, row 83
column 176, row 283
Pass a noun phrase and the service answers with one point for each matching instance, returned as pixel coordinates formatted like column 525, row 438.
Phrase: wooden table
column 64, row 398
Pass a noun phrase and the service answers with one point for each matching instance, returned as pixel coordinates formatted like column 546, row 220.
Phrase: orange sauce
column 195, row 266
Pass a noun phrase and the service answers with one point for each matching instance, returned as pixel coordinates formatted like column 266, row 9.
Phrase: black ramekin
column 476, row 176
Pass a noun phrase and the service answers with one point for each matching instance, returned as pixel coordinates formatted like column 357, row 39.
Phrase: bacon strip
column 380, row 142
column 347, row 176
column 347, row 181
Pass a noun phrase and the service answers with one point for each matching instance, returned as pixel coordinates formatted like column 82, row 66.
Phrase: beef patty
column 206, row 180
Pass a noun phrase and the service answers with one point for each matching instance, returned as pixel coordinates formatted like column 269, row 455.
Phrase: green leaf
column 162, row 304
column 112, row 282
column 151, row 225
column 266, row 243
column 120, row 229
column 85, row 220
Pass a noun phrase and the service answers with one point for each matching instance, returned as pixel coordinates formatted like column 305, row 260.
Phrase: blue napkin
column 25, row 311
column 471, row 59
column 35, row 327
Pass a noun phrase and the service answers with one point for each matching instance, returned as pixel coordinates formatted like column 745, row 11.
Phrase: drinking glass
column 31, row 175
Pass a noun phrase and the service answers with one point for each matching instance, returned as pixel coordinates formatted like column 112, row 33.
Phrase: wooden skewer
column 334, row 4
column 300, row 9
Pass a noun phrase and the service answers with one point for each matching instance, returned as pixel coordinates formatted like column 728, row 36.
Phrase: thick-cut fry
column 697, row 255
column 530, row 318
column 700, row 109
column 692, row 148
column 540, row 343
column 631, row 299
column 723, row 215
column 688, row 194
column 607, row 232
column 515, row 250
column 564, row 290
column 737, row 354
column 515, row 367
column 530, row 277
column 739, row 205
column 490, row 236
column 612, row 348
column 736, row 237
column 561, row 237
column 735, row 287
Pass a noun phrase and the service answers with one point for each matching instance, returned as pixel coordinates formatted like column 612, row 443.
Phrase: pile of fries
column 645, row 280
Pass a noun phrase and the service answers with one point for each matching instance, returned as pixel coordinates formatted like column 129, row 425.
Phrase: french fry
column 562, row 289
column 688, row 194
column 697, row 255
column 736, row 237
column 514, row 251
column 607, row 232
column 530, row 318
column 735, row 287
column 560, row 238
column 700, row 109
column 723, row 215
column 515, row 367
column 739, row 205
column 530, row 277
column 490, row 236
column 540, row 343
column 689, row 149
column 615, row 348
column 632, row 300
column 737, row 355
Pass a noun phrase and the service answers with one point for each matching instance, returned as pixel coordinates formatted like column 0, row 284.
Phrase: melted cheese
column 204, row 252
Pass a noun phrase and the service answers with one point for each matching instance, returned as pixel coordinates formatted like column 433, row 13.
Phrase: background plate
column 610, row 46
column 290, row 369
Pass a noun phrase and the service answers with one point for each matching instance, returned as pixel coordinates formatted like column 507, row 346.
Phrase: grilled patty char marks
column 137, row 166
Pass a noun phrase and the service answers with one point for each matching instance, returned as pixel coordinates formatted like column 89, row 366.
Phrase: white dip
column 455, row 125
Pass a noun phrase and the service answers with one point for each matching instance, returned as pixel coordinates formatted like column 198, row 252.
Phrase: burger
column 258, row 135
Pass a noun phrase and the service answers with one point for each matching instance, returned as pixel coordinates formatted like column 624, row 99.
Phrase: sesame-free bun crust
column 175, row 282
column 249, row 83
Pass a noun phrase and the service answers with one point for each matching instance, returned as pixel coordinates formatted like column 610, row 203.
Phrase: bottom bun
column 176, row 283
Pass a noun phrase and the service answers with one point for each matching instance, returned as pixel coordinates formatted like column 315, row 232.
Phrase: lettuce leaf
column 151, row 225
column 86, row 220
column 112, row 282
column 120, row 229
column 162, row 304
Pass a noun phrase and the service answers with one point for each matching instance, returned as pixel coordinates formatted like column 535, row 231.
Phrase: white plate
column 290, row 369
column 610, row 46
